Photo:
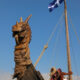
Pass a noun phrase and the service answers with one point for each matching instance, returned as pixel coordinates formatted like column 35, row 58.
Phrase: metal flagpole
column 67, row 40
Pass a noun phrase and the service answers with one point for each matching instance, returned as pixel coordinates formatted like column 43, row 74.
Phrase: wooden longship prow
column 24, row 69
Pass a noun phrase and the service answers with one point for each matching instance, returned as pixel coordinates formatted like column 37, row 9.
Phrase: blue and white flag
column 54, row 4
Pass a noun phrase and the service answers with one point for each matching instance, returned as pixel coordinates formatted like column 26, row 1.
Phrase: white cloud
column 8, row 76
column 46, row 76
column 5, row 76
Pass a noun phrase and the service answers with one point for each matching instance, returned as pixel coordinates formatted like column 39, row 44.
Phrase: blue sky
column 42, row 23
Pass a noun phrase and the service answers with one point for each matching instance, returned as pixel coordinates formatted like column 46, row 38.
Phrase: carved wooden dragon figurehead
column 21, row 29
column 22, row 34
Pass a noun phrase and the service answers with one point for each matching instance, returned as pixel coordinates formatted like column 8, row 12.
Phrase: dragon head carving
column 22, row 34
column 21, row 29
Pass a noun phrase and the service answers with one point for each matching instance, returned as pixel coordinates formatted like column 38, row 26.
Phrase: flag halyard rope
column 56, row 41
column 46, row 46
column 73, row 55
column 74, row 29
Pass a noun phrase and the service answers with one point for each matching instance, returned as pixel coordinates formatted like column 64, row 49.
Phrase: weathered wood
column 32, row 74
column 24, row 70
column 67, row 40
